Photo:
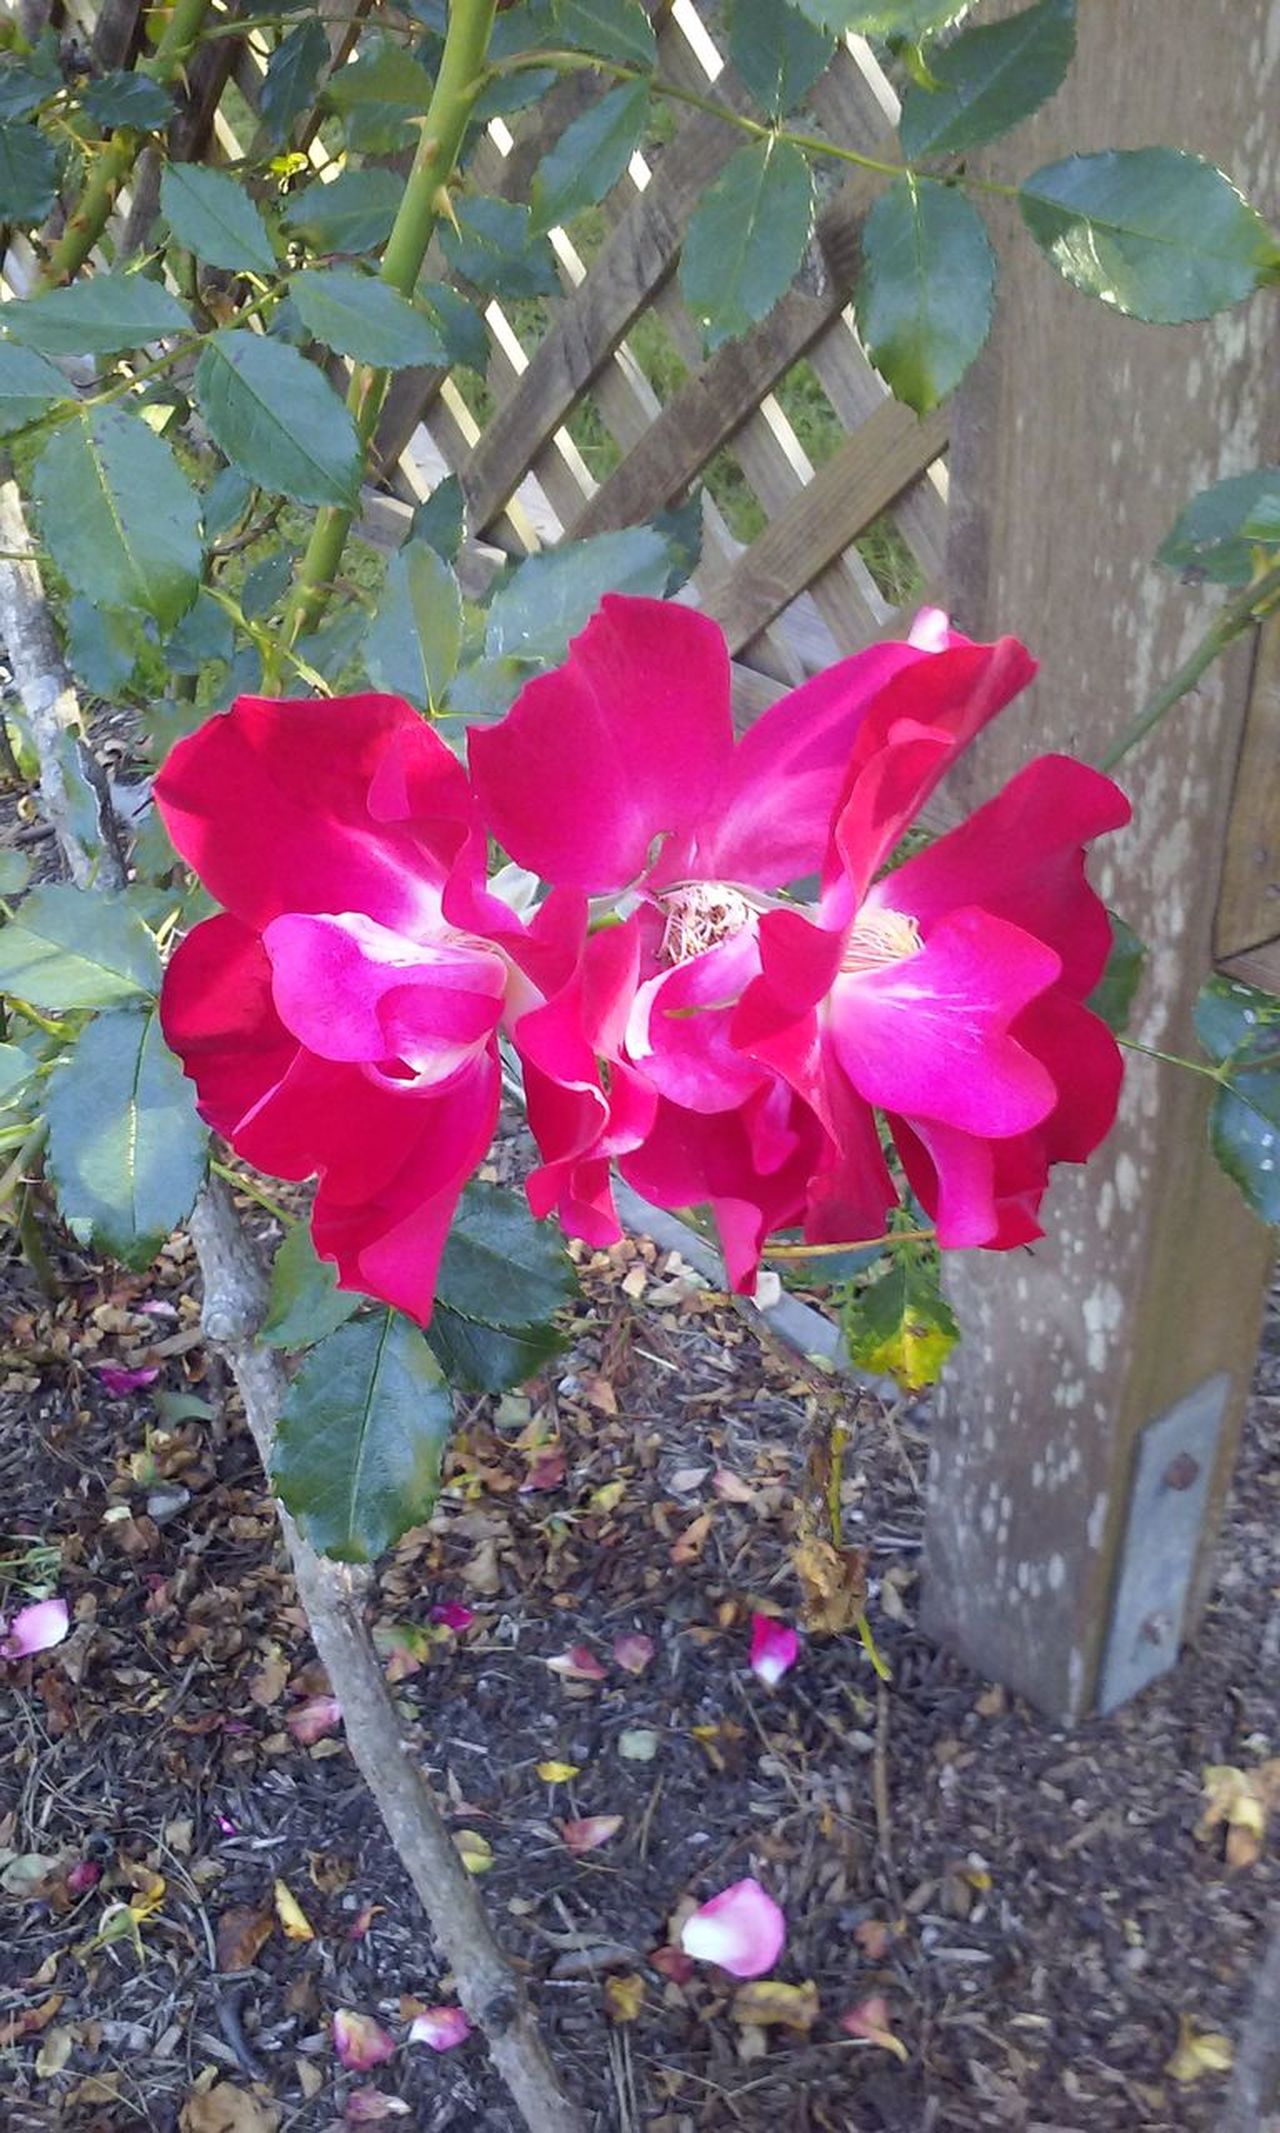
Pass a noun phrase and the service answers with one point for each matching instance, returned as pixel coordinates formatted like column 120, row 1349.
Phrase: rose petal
column 440, row 2028
column 742, row 1929
column 633, row 1651
column 309, row 1722
column 775, row 1647
column 35, row 1629
column 359, row 2041
column 116, row 1382
column 579, row 1663
column 365, row 2107
column 453, row 1615
column 589, row 1833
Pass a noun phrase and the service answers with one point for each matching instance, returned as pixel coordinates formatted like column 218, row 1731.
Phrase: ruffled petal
column 350, row 989
column 678, row 1031
column 1021, row 857
column 345, row 803
column 625, row 744
column 218, row 1015
column 929, row 1036
column 800, row 748
column 910, row 736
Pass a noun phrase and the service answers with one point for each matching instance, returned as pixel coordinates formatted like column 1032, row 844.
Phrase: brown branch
column 332, row 1596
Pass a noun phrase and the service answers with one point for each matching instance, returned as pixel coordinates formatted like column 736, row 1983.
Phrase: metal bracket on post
column 1176, row 1461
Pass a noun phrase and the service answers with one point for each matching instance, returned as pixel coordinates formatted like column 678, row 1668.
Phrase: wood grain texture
column 1249, row 898
column 1076, row 445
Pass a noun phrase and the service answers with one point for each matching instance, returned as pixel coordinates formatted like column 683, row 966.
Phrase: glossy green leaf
column 124, row 98
column 362, row 1437
column 494, row 249
column 28, row 80
column 28, row 173
column 460, row 324
column 362, row 317
column 1154, row 232
column 69, row 948
column 353, row 213
column 97, row 316
column 1235, row 1021
column 925, row 292
column 289, row 86
column 118, row 515
column 590, row 156
column 276, row 417
column 550, row 596
column 499, row 1265
column 210, row 213
column 480, row 1358
column 779, row 55
column 616, row 29
column 379, row 97
column 901, row 1326
column 305, row 1305
column 1239, row 1027
column 1221, row 530
column 104, row 645
column 126, row 1149
column 913, row 21
column 1113, row 996
column 440, row 519
column 16, row 1070
column 29, row 387
column 413, row 644
column 15, row 871
column 988, row 80
column 746, row 238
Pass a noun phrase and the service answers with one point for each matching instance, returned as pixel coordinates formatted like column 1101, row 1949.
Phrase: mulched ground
column 1034, row 1908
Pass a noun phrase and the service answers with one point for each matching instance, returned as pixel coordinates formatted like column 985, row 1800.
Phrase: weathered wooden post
column 1087, row 1430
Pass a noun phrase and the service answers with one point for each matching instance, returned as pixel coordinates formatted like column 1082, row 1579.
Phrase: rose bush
column 675, row 1010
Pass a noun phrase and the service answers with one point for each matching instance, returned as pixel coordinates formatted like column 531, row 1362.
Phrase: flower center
column 698, row 916
column 879, row 939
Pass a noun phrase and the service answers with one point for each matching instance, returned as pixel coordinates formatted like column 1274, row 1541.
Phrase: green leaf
column 440, row 519
column 1154, row 232
column 499, row 1265
column 306, row 1305
column 127, row 99
column 1239, row 1027
column 460, row 324
column 1221, row 528
column 15, row 871
column 362, row 317
column 28, row 174
column 362, row 1436
column 901, row 1326
column 778, row 54
column 1113, row 996
column 353, row 213
column 118, row 515
column 616, row 29
column 70, row 948
column 590, row 156
column 552, row 595
column 746, row 238
column 210, row 213
column 988, row 80
column 924, row 296
column 100, row 316
column 29, row 387
column 479, row 1358
column 277, row 417
column 378, row 97
column 28, row 81
column 104, row 645
column 16, row 1070
column 289, row 86
column 413, row 645
column 126, row 1149
column 493, row 248
column 913, row 21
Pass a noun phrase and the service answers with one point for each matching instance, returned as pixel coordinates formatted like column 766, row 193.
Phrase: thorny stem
column 458, row 84
column 1252, row 605
column 856, row 1244
column 1220, row 1074
column 111, row 167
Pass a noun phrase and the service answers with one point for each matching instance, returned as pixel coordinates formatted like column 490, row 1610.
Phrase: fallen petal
column 775, row 1648
column 116, row 1381
column 578, row 1664
column 453, row 1615
column 870, row 2019
column 310, row 1721
column 591, row 1832
column 84, row 1875
column 633, row 1652
column 673, row 1964
column 546, row 1470
column 35, row 1629
column 741, row 1929
column 440, row 2028
column 359, row 2041
column 365, row 2107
